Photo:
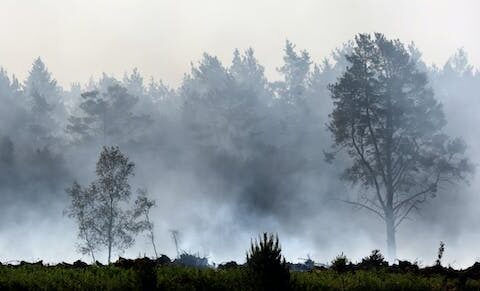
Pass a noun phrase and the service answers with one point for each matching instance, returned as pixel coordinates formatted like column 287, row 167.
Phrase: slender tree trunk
column 89, row 244
column 109, row 241
column 93, row 256
column 153, row 244
column 390, row 217
column 391, row 241
column 110, row 229
column 109, row 250
column 152, row 237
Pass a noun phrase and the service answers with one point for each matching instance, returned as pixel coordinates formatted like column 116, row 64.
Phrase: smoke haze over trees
column 227, row 154
column 386, row 118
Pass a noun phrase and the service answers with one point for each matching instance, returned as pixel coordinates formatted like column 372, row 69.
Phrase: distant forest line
column 228, row 134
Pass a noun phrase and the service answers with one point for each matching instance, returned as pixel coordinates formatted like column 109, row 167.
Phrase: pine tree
column 108, row 117
column 45, row 104
column 267, row 267
column 386, row 118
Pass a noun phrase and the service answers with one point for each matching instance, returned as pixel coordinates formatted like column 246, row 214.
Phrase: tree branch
column 405, row 215
column 372, row 173
column 414, row 196
column 364, row 206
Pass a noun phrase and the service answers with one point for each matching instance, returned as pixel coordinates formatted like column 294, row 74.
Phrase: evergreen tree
column 134, row 83
column 108, row 117
column 219, row 111
column 13, row 115
column 458, row 65
column 45, row 104
column 295, row 72
column 266, row 265
column 386, row 117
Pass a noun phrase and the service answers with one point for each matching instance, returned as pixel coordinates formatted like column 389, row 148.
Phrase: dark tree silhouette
column 266, row 264
column 386, row 118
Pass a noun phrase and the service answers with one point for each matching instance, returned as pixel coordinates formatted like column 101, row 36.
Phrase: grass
column 184, row 278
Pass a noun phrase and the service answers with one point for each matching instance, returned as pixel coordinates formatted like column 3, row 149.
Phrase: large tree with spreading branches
column 387, row 120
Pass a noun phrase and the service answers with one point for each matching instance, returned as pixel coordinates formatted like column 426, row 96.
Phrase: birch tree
column 103, row 212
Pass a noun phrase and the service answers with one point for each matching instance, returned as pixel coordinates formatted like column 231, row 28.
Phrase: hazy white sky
column 80, row 38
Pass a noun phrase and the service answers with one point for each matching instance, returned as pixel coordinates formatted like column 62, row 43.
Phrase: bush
column 266, row 266
column 375, row 260
column 339, row 264
column 191, row 260
column 228, row 265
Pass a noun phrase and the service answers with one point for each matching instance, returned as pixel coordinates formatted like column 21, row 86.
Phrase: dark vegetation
column 265, row 269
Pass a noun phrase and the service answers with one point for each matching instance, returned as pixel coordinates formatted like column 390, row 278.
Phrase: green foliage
column 339, row 264
column 266, row 265
column 369, row 280
column 184, row 278
column 192, row 260
column 60, row 278
column 375, row 260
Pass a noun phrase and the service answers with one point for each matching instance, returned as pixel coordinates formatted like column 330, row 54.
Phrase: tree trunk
column 93, row 256
column 154, row 247
column 391, row 242
column 152, row 237
column 110, row 229
column 109, row 251
column 390, row 220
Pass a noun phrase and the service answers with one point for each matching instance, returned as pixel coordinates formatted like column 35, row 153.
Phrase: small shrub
column 375, row 260
column 163, row 260
column 339, row 264
column 191, row 260
column 228, row 265
column 267, row 268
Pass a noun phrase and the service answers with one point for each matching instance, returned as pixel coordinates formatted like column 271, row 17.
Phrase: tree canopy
column 386, row 118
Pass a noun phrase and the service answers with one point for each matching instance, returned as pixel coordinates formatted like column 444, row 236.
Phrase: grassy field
column 147, row 275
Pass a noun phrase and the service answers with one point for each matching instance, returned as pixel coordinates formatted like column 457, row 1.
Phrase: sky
column 78, row 38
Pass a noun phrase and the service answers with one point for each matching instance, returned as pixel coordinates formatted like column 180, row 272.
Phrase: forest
column 361, row 142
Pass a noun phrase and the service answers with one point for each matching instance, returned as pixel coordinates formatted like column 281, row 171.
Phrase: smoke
column 227, row 155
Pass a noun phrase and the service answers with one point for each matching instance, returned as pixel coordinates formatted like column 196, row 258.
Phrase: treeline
column 228, row 118
column 232, row 114
column 247, row 140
